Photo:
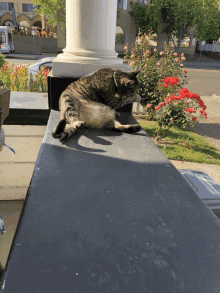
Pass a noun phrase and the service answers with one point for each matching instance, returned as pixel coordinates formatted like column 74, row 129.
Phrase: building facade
column 25, row 17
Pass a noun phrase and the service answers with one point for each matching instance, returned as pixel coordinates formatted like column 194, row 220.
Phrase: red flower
column 149, row 105
column 185, row 71
column 184, row 93
column 157, row 108
column 161, row 104
column 167, row 100
column 204, row 108
column 172, row 97
column 194, row 119
column 178, row 98
column 187, row 110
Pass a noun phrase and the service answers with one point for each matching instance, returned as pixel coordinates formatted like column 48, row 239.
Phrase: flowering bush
column 17, row 79
column 37, row 33
column 154, row 68
column 2, row 60
column 178, row 110
column 40, row 82
column 44, row 34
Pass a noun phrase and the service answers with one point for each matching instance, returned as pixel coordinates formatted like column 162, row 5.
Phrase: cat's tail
column 59, row 130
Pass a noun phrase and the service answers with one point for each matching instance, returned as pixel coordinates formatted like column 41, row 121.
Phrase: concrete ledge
column 28, row 108
column 108, row 212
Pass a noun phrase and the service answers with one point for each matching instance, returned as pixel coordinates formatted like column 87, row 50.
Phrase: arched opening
column 185, row 42
column 24, row 26
column 120, row 36
column 153, row 41
column 8, row 23
column 38, row 23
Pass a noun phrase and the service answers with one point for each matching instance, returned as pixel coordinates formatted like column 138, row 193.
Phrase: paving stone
column 26, row 149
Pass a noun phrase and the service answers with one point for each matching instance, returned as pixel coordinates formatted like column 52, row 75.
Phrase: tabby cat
column 90, row 101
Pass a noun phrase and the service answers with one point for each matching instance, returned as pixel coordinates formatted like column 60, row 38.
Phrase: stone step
column 28, row 108
column 16, row 169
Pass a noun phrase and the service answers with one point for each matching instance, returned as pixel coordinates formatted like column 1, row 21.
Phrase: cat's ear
column 130, row 82
column 136, row 72
column 126, row 81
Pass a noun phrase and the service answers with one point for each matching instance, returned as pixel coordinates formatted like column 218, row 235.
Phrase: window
column 7, row 6
column 29, row 7
column 123, row 4
column 2, row 37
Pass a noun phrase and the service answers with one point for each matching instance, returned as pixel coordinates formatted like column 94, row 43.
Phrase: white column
column 90, row 38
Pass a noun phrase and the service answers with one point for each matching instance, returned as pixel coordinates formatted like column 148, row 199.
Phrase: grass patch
column 177, row 144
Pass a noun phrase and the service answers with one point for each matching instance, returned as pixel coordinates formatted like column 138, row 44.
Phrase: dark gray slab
column 108, row 212
column 28, row 100
column 28, row 108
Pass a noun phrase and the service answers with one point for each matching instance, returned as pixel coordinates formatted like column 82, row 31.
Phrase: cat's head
column 126, row 84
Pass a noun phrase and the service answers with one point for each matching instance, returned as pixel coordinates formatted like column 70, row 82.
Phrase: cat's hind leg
column 117, row 126
column 65, row 130
column 69, row 122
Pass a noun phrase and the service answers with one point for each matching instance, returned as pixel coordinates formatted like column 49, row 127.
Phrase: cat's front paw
column 79, row 124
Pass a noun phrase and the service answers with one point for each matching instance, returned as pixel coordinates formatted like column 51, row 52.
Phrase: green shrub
column 2, row 60
column 17, row 79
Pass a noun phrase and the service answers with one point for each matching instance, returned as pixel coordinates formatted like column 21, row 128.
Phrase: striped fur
column 91, row 102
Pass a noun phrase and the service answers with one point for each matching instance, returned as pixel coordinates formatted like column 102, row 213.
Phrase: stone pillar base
column 72, row 65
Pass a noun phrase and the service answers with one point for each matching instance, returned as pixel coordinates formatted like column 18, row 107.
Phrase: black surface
column 108, row 212
column 206, row 188
column 57, row 84
column 27, row 117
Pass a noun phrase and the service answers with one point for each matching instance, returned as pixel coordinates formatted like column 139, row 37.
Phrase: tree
column 178, row 15
column 53, row 10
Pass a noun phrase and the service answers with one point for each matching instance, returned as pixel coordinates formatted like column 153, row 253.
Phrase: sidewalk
column 30, row 56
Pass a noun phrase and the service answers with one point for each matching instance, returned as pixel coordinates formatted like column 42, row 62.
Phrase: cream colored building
column 25, row 16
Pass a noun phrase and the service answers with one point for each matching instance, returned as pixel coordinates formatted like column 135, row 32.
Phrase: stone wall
column 24, row 44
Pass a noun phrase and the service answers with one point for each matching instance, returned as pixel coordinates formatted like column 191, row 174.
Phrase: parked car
column 39, row 64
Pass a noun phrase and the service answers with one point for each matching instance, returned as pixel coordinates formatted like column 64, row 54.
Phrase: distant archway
column 120, row 36
column 185, row 42
column 24, row 25
column 38, row 23
column 8, row 23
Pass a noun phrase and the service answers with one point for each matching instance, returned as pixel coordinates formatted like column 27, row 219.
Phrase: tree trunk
column 180, row 38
